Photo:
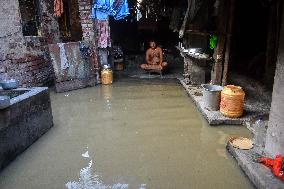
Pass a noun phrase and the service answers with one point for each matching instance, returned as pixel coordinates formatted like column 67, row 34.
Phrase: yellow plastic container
column 232, row 101
column 107, row 76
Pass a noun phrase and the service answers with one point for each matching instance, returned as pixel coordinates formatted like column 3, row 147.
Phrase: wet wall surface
column 133, row 134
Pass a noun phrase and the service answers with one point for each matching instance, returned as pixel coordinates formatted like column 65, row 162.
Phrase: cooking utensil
column 4, row 102
column 195, row 50
column 9, row 84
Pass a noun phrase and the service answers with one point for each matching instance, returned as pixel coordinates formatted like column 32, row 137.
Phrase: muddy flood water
column 134, row 134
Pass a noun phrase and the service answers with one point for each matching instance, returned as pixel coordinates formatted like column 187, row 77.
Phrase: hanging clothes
column 123, row 11
column 63, row 57
column 103, row 33
column 102, row 5
column 116, row 6
column 100, row 10
column 99, row 15
column 103, row 8
column 58, row 8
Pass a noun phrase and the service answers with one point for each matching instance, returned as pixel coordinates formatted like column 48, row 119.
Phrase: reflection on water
column 89, row 179
column 135, row 131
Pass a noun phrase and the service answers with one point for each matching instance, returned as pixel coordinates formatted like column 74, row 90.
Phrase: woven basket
column 232, row 101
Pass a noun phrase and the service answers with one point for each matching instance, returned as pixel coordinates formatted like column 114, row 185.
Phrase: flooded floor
column 136, row 134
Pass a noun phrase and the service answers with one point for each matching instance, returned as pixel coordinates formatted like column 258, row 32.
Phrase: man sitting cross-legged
column 154, row 58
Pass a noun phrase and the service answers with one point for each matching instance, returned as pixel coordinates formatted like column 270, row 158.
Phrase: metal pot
column 4, row 102
column 9, row 84
column 212, row 96
column 195, row 50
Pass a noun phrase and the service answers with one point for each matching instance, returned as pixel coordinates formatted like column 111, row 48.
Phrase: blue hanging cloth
column 102, row 9
column 96, row 14
column 123, row 11
column 102, row 5
column 116, row 6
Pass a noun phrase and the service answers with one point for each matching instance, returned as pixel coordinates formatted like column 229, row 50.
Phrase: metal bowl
column 9, row 84
column 195, row 50
column 4, row 102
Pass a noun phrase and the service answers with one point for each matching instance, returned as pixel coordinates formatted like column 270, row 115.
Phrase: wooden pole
column 216, row 77
column 217, row 70
column 228, row 43
column 183, row 27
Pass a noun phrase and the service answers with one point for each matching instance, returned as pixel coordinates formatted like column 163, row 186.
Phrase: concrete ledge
column 30, row 92
column 213, row 117
column 252, row 110
column 25, row 121
column 259, row 175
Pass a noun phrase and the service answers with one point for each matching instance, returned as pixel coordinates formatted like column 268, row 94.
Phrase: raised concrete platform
column 25, row 121
column 259, row 175
column 252, row 109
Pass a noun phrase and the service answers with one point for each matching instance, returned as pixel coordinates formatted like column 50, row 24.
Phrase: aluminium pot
column 9, row 84
column 212, row 96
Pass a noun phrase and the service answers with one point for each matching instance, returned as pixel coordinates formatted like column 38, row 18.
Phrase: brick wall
column 86, row 20
column 26, row 58
column 88, row 29
column 30, row 70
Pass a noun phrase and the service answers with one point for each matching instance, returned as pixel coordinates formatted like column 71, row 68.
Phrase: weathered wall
column 275, row 133
column 26, row 58
column 11, row 36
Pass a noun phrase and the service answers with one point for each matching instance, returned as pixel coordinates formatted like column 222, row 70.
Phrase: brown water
column 133, row 134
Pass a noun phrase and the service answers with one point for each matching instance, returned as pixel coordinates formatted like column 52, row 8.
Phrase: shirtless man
column 154, row 58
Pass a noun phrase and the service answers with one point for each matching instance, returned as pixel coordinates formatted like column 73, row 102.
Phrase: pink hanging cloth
column 103, row 33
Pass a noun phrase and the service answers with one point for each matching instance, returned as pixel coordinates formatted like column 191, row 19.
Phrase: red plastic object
column 276, row 165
